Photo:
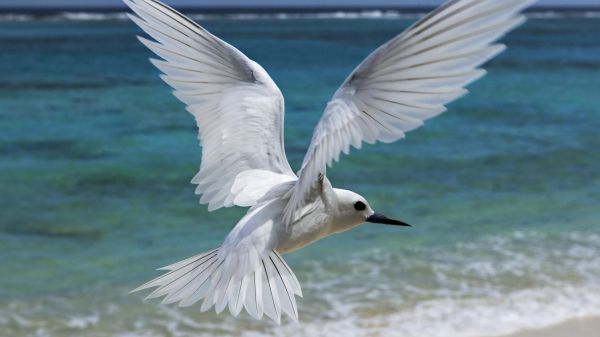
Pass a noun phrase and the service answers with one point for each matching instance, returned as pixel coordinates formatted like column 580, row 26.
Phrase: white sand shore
column 589, row 327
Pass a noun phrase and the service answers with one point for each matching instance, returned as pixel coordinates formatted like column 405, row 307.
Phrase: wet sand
column 588, row 327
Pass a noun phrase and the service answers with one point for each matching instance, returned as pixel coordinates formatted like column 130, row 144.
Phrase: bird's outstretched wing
column 238, row 108
column 407, row 81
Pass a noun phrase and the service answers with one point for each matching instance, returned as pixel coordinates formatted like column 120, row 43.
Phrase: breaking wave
column 474, row 290
column 368, row 14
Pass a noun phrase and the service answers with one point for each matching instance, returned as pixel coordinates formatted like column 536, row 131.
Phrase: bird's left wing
column 407, row 81
column 237, row 106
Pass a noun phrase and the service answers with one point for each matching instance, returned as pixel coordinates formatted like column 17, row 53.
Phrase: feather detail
column 237, row 106
column 405, row 82
column 224, row 279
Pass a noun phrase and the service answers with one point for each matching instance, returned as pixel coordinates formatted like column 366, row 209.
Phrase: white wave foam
column 458, row 317
column 66, row 16
column 591, row 15
column 374, row 14
column 84, row 16
column 487, row 287
column 546, row 15
column 470, row 317
column 91, row 16
column 490, row 287
column 342, row 15
column 16, row 17
column 83, row 322
column 563, row 14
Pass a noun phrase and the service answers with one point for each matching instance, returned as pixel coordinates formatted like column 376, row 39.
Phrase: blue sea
column 503, row 190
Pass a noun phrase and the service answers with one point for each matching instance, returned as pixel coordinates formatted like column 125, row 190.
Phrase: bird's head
column 353, row 210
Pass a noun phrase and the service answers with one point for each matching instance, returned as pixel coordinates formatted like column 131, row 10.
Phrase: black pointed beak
column 380, row 218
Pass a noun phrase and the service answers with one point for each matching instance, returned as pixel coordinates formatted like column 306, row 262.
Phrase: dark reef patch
column 53, row 149
column 56, row 231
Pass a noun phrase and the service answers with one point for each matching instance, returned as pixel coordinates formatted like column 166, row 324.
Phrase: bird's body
column 239, row 113
column 324, row 216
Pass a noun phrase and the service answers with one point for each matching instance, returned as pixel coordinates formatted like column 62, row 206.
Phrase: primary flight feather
column 239, row 112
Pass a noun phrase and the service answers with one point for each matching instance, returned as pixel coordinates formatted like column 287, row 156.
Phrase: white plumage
column 239, row 113
column 238, row 108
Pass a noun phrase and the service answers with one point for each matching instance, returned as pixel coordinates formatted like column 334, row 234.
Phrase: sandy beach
column 588, row 327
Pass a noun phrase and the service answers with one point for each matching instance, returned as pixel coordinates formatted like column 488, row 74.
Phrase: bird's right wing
column 238, row 108
column 407, row 81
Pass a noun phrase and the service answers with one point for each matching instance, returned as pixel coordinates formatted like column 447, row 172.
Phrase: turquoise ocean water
column 96, row 157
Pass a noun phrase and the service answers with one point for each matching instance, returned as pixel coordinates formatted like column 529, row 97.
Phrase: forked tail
column 263, row 284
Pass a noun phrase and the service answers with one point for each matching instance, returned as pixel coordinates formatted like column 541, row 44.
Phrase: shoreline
column 582, row 327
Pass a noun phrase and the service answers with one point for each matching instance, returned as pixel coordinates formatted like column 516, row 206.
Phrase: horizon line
column 264, row 9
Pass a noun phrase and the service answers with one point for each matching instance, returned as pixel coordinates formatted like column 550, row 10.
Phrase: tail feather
column 286, row 295
column 288, row 273
column 270, row 294
column 179, row 264
column 263, row 284
column 250, row 300
column 174, row 274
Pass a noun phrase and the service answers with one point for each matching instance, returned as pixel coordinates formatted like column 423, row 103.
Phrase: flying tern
column 239, row 112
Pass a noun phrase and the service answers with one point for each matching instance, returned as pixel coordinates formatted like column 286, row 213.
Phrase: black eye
column 360, row 206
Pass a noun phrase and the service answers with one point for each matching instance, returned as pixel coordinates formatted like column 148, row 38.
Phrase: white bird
column 239, row 113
